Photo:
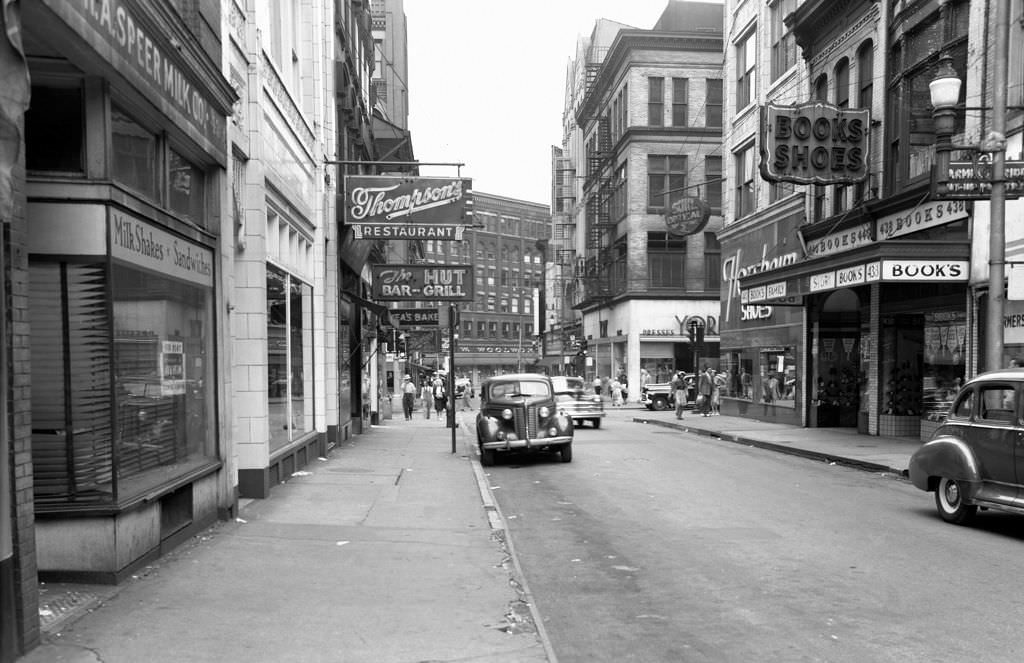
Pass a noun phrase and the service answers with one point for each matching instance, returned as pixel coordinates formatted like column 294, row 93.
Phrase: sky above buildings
column 487, row 83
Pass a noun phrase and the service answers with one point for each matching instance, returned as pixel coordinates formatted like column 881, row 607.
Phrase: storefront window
column 945, row 358
column 54, row 129
column 740, row 372
column 115, row 416
column 289, row 358
column 186, row 188
column 163, row 335
column 134, row 161
column 777, row 376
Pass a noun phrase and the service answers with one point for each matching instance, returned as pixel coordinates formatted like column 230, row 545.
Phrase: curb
column 497, row 521
column 770, row 446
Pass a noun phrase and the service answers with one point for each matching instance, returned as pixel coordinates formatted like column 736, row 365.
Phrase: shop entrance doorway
column 836, row 369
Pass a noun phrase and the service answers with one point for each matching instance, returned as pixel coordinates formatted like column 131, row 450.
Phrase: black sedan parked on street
column 974, row 458
column 518, row 413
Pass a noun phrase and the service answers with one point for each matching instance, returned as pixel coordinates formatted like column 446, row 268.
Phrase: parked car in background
column 573, row 399
column 660, row 395
column 973, row 459
column 518, row 412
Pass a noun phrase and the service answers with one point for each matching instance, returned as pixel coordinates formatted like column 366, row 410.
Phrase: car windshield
column 563, row 383
column 520, row 388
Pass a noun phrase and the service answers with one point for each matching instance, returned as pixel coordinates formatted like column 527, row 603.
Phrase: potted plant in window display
column 901, row 414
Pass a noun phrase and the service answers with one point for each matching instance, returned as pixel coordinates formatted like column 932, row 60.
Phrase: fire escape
column 597, row 194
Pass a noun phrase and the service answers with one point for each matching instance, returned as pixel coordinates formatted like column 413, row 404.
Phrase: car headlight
column 544, row 412
column 511, row 437
column 552, row 432
column 500, row 435
column 506, row 413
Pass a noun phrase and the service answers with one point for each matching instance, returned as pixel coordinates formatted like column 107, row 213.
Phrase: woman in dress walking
column 616, row 393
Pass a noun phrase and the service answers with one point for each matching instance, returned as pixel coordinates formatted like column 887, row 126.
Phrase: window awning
column 382, row 312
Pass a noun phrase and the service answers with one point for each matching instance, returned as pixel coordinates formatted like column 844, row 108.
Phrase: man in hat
column 408, row 396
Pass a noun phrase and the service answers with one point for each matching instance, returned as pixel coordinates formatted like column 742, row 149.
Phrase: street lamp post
column 945, row 95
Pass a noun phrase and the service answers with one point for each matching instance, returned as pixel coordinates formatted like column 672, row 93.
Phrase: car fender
column 487, row 428
column 944, row 456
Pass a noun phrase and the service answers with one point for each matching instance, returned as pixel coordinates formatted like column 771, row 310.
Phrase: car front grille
column 526, row 420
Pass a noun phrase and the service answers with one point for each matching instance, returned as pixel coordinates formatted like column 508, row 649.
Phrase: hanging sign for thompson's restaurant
column 814, row 143
column 396, row 207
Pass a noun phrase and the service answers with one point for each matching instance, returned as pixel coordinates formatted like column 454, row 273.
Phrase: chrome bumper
column 526, row 443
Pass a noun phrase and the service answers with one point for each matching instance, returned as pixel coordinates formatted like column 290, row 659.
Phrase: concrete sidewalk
column 388, row 550
column 391, row 549
column 843, row 446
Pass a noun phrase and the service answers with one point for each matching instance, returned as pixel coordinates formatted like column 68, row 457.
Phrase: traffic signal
column 691, row 332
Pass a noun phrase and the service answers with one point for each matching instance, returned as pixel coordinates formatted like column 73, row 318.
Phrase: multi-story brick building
column 498, row 330
column 649, row 118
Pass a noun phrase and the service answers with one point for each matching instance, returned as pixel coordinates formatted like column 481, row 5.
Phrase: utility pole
column 452, row 323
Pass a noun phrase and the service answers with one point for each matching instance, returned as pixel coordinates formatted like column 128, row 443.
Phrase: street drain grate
column 57, row 608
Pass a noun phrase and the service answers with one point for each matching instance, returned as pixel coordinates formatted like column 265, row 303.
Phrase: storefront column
column 872, row 369
column 633, row 363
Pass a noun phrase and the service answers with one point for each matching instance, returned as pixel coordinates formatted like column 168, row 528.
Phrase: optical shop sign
column 144, row 245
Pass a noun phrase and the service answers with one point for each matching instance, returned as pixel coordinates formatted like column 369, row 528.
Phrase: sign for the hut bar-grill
column 396, row 207
column 452, row 283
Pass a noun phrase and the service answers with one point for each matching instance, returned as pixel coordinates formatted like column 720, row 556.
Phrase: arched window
column 842, row 79
column 865, row 70
column 820, row 91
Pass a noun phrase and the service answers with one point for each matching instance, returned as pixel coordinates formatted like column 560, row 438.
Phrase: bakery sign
column 814, row 143
column 453, row 283
column 416, row 317
column 397, row 207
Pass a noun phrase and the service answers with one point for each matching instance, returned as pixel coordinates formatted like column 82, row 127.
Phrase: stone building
column 649, row 141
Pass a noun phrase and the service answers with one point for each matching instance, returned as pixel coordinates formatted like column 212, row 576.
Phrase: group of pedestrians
column 433, row 394
column 616, row 389
column 709, row 392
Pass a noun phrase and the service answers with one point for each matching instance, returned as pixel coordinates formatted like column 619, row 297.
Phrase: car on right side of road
column 975, row 458
column 660, row 395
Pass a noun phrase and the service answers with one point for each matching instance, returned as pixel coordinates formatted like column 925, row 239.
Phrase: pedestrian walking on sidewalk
column 408, row 396
column 616, row 388
column 679, row 392
column 427, row 397
column 440, row 396
column 716, row 395
column 705, row 388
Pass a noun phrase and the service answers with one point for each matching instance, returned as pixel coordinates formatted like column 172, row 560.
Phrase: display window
column 763, row 375
column 778, row 377
column 739, row 368
column 122, row 380
column 944, row 361
column 289, row 357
